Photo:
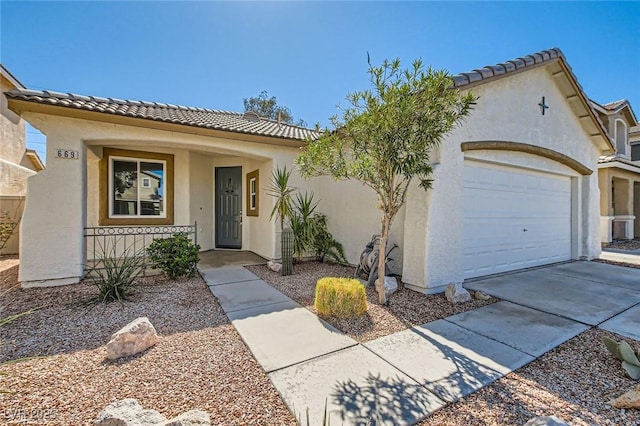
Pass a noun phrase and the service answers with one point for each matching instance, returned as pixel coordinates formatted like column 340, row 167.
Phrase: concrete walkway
column 403, row 377
column 626, row 256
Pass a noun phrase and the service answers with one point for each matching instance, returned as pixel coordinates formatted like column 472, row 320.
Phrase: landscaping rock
column 390, row 285
column 455, row 293
column 546, row 421
column 190, row 418
column 274, row 266
column 128, row 412
column 629, row 399
column 133, row 338
column 481, row 296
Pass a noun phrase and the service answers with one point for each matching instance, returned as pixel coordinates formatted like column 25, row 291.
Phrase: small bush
column 324, row 245
column 176, row 256
column 340, row 297
column 115, row 274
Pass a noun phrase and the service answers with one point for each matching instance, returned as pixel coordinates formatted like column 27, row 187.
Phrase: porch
column 619, row 204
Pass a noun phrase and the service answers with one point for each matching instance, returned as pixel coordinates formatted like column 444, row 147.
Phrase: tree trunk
column 382, row 259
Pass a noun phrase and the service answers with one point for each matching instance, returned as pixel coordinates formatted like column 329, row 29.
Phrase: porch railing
column 126, row 241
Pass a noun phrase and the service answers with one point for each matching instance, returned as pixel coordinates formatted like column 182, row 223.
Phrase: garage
column 514, row 218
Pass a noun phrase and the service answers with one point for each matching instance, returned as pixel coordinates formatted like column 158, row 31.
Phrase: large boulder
column 128, row 412
column 546, row 421
column 133, row 338
column 190, row 418
column 629, row 399
column 455, row 293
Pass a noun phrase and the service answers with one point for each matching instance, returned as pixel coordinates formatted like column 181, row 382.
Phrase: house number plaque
column 67, row 154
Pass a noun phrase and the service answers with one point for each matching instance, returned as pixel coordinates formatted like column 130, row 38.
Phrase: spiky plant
column 280, row 190
column 625, row 353
column 115, row 272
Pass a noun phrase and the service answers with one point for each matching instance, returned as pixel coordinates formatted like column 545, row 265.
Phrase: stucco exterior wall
column 429, row 230
column 65, row 196
column 13, row 142
column 353, row 217
column 507, row 110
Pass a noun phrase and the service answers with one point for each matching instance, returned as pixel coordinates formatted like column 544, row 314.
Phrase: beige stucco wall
column 429, row 229
column 507, row 110
column 353, row 217
column 13, row 142
column 64, row 198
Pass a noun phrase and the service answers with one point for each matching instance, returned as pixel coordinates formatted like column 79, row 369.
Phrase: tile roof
column 491, row 71
column 249, row 123
column 612, row 106
column 617, row 159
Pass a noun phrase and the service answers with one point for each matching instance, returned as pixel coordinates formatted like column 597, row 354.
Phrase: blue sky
column 307, row 54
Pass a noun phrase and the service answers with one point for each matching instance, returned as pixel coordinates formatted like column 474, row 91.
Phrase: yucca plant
column 115, row 272
column 302, row 223
column 279, row 189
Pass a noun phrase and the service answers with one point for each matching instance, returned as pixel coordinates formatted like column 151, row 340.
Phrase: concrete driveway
column 400, row 378
column 592, row 293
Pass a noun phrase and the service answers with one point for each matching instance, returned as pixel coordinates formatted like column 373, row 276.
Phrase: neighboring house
column 515, row 185
column 619, row 173
column 17, row 162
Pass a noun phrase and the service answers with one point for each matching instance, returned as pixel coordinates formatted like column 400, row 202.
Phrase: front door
column 229, row 207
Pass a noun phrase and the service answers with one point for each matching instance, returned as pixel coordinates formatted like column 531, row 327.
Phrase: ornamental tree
column 385, row 136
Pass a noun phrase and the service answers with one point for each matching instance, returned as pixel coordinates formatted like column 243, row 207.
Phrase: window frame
column 253, row 210
column 105, row 186
column 625, row 135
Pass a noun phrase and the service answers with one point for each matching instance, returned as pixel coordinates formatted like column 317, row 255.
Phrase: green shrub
column 340, row 297
column 115, row 274
column 176, row 256
column 324, row 245
column 310, row 232
column 302, row 224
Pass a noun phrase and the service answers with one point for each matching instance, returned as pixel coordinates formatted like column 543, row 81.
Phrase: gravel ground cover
column 199, row 362
column 625, row 244
column 8, row 271
column 574, row 382
column 405, row 308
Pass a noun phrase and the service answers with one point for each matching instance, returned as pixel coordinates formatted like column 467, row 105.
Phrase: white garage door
column 514, row 218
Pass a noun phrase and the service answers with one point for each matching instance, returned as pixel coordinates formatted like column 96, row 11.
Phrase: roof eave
column 21, row 105
column 553, row 56
column 35, row 159
column 11, row 78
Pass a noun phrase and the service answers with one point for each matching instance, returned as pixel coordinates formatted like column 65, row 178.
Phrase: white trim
column 252, row 194
column 625, row 154
column 619, row 165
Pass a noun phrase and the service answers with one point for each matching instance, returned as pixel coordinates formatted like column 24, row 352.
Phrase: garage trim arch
column 489, row 244
column 529, row 149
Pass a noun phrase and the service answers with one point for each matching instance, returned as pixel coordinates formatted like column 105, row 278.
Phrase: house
column 619, row 173
column 17, row 162
column 515, row 186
